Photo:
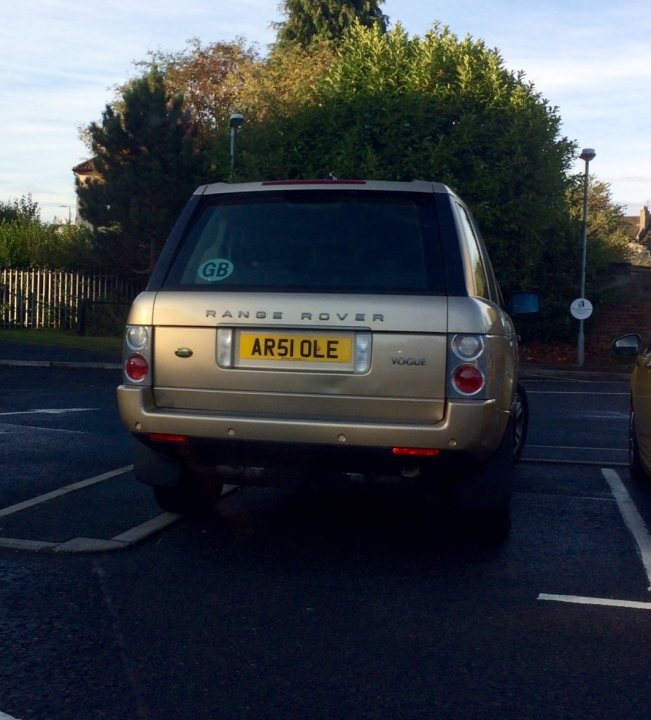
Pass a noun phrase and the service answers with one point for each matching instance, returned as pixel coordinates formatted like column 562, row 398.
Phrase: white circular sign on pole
column 581, row 309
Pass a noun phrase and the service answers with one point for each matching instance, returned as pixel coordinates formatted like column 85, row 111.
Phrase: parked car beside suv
column 639, row 425
column 292, row 331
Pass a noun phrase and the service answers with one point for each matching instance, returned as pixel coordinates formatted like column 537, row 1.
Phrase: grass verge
column 61, row 338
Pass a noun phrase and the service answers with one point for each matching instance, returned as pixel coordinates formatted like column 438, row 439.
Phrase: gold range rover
column 298, row 332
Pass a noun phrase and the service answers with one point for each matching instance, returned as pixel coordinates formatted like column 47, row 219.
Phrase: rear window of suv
column 311, row 241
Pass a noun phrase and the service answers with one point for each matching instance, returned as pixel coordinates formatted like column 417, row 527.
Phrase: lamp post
column 69, row 212
column 587, row 154
column 236, row 122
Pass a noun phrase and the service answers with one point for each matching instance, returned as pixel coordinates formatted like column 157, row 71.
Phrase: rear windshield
column 312, row 241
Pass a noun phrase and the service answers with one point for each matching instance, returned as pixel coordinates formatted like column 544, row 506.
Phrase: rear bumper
column 471, row 429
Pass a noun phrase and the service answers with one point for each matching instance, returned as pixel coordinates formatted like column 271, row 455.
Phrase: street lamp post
column 587, row 154
column 236, row 122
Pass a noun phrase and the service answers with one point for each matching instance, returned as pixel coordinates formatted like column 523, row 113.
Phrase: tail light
column 136, row 354
column 136, row 368
column 467, row 379
column 467, row 361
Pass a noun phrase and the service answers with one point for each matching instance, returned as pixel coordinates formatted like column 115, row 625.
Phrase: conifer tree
column 310, row 21
column 145, row 154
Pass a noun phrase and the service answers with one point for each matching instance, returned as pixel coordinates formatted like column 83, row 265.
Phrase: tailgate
column 315, row 357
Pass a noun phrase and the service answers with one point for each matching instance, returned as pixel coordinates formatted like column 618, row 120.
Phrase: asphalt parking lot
column 336, row 604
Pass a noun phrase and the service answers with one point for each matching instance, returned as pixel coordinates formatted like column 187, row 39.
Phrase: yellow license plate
column 306, row 348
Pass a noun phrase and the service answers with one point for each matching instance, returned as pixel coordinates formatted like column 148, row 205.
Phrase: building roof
column 87, row 167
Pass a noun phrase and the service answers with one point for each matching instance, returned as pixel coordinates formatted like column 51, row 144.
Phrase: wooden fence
column 57, row 299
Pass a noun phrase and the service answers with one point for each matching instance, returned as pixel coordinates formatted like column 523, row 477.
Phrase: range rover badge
column 183, row 352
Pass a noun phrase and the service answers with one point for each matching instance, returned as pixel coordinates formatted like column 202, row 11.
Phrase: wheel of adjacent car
column 520, row 420
column 195, row 495
column 634, row 463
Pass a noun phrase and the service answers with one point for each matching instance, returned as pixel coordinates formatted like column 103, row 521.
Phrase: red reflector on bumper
column 417, row 452
column 162, row 437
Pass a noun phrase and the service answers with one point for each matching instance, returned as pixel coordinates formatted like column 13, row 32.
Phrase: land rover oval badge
column 183, row 352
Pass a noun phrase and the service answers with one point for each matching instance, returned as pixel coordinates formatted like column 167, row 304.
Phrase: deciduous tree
column 23, row 208
column 220, row 78
column 27, row 242
column 209, row 77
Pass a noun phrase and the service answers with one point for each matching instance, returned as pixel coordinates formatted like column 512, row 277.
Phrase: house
column 84, row 172
column 644, row 229
column 636, row 227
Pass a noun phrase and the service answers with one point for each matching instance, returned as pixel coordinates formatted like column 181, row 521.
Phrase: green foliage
column 147, row 158
column 19, row 238
column 24, row 208
column 283, row 83
column 607, row 240
column 396, row 107
column 62, row 338
column 310, row 21
column 28, row 243
column 71, row 247
column 272, row 95
column 339, row 94
column 561, row 258
column 103, row 318
column 220, row 78
column 208, row 77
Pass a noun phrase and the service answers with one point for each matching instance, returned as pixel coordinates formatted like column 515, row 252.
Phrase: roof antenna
column 331, row 176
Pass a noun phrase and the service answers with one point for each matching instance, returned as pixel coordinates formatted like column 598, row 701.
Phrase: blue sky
column 60, row 59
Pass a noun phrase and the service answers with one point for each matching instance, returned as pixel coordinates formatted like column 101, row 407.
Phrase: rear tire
column 482, row 496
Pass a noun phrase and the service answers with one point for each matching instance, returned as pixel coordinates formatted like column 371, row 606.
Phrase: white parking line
column 47, row 411
column 63, row 491
column 18, row 428
column 640, row 533
column 574, row 455
column 574, row 392
column 578, row 600
column 575, row 447
column 632, row 518
column 86, row 544
column 4, row 716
